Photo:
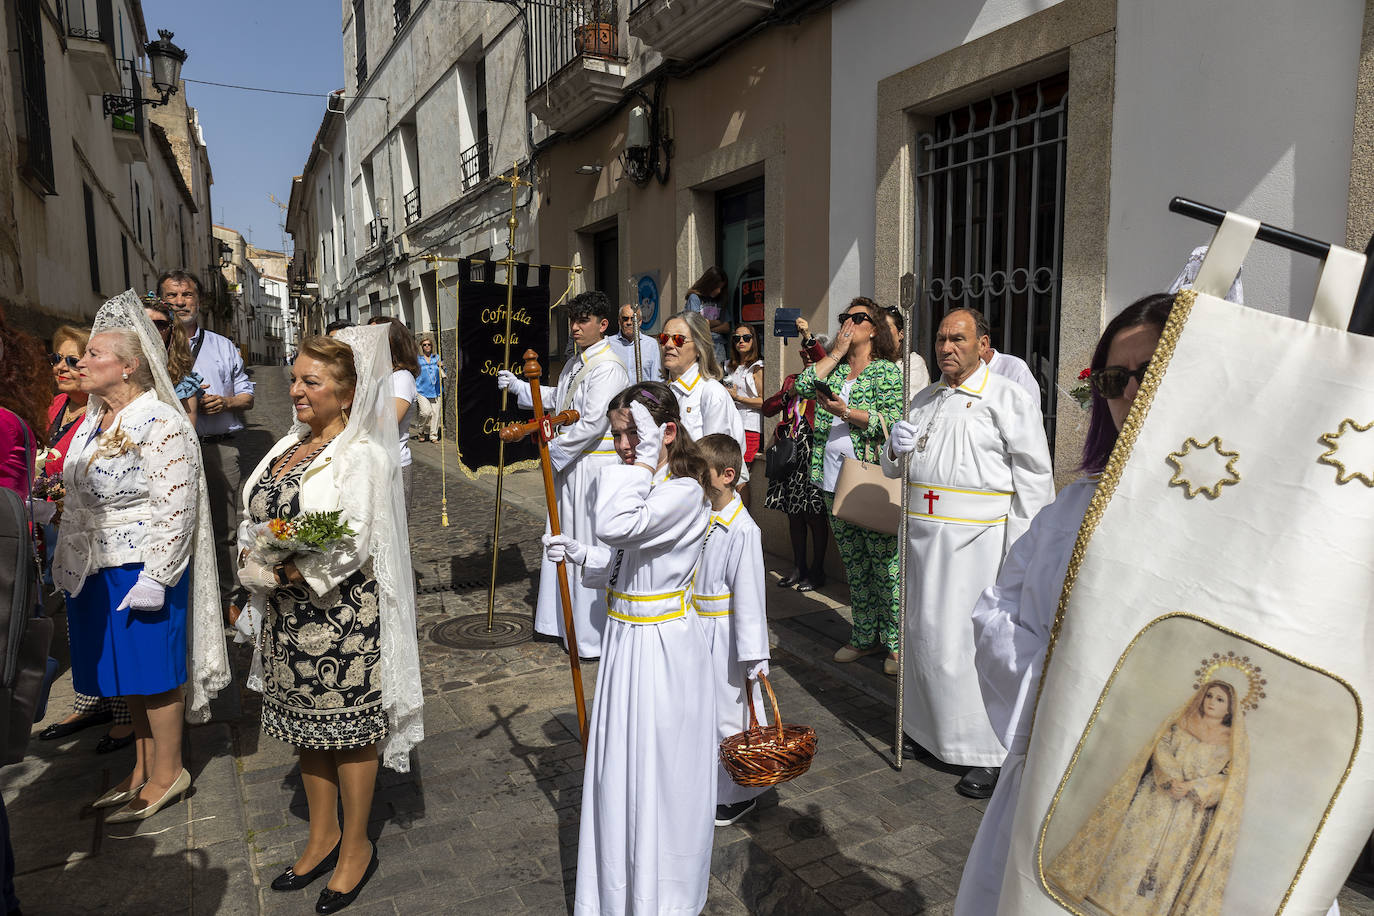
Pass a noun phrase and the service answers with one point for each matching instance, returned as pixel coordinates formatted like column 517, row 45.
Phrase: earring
column 124, row 376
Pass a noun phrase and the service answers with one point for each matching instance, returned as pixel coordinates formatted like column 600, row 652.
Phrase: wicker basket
column 767, row 756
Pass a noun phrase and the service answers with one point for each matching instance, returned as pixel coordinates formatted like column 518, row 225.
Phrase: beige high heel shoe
column 117, row 797
column 126, row 814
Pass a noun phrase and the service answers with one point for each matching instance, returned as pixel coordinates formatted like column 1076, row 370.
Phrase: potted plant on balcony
column 595, row 34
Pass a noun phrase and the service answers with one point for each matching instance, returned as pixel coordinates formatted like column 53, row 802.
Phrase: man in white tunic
column 1014, row 368
column 979, row 470
column 587, row 384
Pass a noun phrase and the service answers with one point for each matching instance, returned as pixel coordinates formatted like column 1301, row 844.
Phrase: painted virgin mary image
column 1162, row 839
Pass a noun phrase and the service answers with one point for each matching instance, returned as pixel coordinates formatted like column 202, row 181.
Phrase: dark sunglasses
column 627, row 319
column 856, row 317
column 676, row 340
column 744, row 337
column 161, row 324
column 71, row 361
column 1111, row 381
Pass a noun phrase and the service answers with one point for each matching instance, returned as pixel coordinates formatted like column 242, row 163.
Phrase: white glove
column 257, row 577
column 509, row 381
column 560, row 547
column 248, row 625
column 757, row 668
column 650, row 435
column 902, row 439
column 42, row 510
column 146, row 595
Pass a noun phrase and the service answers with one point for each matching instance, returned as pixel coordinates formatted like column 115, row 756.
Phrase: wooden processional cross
column 542, row 428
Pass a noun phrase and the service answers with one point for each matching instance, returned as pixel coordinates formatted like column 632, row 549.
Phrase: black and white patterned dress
column 322, row 685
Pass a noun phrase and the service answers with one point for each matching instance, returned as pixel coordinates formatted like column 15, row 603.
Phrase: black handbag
column 782, row 458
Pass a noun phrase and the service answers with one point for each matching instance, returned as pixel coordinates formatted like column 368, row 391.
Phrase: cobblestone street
column 487, row 821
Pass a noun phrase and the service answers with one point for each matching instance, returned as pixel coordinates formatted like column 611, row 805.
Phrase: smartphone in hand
column 824, row 389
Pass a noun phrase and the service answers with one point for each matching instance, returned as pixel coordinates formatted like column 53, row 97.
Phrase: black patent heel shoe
column 290, row 881
column 331, row 901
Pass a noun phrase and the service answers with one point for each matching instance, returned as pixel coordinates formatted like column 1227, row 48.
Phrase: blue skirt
column 126, row 653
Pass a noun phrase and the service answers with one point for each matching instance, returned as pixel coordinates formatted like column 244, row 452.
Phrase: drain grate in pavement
column 470, row 632
column 463, row 585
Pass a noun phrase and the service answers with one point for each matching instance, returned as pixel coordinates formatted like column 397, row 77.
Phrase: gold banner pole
column 515, row 182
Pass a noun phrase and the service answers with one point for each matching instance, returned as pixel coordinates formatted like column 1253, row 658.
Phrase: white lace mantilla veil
column 209, row 660
column 372, row 421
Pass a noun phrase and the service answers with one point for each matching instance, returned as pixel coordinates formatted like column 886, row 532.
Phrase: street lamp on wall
column 226, row 254
column 166, row 59
column 648, row 140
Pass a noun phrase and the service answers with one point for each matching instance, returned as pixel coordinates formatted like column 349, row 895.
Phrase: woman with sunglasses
column 64, row 416
column 859, row 387
column 1012, row 619
column 180, row 362
column 744, row 381
column 694, row 376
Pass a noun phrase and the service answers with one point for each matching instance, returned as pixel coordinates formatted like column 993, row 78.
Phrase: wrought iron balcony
column 575, row 69
column 89, row 25
column 376, row 231
column 683, row 29
column 475, row 162
column 412, row 202
column 127, row 124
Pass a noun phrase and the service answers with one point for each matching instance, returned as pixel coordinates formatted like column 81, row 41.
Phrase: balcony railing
column 402, row 10
column 376, row 231
column 475, row 162
column 130, row 121
column 559, row 33
column 92, row 20
column 412, row 202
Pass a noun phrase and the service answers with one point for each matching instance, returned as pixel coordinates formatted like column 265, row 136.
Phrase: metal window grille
column 475, row 163
column 557, row 37
column 990, row 186
column 92, row 20
column 36, row 151
column 412, row 202
column 401, row 9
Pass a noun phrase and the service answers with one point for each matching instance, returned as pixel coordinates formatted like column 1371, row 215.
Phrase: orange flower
column 280, row 528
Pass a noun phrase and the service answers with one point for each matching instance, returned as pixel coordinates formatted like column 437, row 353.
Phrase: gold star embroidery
column 1208, row 461
column 1356, row 444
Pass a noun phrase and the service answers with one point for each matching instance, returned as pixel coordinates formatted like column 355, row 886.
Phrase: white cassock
column 1015, row 368
column 1011, row 629
column 706, row 407
column 586, row 385
column 728, row 594
column 649, row 789
column 983, row 473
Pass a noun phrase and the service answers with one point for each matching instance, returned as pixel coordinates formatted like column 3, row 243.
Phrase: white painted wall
column 1243, row 104
column 869, row 41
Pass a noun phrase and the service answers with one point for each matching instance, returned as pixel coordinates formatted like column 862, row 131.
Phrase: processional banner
column 1225, row 568
column 485, row 349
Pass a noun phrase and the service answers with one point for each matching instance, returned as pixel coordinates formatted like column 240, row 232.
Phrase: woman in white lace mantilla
column 134, row 555
column 337, row 658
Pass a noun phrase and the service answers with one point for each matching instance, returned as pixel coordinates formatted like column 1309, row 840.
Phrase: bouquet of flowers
column 276, row 541
column 1083, row 392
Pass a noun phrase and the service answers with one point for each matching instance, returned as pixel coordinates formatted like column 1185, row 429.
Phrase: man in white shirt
column 1014, row 368
column 623, row 343
column 226, row 391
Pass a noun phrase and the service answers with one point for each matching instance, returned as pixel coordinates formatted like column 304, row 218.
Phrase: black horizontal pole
column 1284, row 238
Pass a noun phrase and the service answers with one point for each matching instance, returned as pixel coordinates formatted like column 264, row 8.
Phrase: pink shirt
column 15, row 456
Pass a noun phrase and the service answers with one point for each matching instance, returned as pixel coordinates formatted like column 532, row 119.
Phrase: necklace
column 922, row 442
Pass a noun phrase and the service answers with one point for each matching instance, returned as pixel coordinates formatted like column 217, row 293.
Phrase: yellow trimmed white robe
column 729, row 598
column 983, row 473
column 649, row 789
column 706, row 406
column 1011, row 632
column 577, row 453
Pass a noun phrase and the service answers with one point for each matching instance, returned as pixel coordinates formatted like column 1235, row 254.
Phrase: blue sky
column 257, row 141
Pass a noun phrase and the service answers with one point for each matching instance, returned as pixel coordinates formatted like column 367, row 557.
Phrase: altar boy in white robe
column 728, row 595
column 980, row 470
column 578, row 452
column 649, row 787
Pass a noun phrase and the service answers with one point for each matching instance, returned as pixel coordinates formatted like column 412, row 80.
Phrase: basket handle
column 772, row 700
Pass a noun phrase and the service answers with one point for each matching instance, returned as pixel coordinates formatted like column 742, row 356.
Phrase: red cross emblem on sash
column 930, row 496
